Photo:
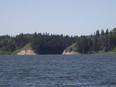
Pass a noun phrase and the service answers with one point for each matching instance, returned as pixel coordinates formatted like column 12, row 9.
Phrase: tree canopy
column 55, row 44
column 41, row 43
column 104, row 41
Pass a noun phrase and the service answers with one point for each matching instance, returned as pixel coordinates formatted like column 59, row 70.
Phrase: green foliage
column 100, row 42
column 40, row 43
column 114, row 49
column 104, row 42
column 26, row 47
column 72, row 48
column 2, row 52
column 51, row 44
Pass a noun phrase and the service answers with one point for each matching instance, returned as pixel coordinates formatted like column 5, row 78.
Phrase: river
column 58, row 71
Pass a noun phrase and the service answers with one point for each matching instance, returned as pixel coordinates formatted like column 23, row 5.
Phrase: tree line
column 46, row 43
column 100, row 41
column 41, row 43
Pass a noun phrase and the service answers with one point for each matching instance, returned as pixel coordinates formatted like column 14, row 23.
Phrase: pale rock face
column 69, row 53
column 26, row 52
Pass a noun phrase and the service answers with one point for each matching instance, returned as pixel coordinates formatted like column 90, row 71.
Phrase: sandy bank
column 26, row 52
column 69, row 53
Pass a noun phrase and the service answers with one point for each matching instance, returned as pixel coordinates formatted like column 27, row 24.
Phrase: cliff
column 26, row 50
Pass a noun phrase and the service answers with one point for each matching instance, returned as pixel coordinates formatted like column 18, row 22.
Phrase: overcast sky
column 68, row 17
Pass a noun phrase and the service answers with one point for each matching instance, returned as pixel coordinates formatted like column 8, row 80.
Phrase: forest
column 41, row 43
column 100, row 41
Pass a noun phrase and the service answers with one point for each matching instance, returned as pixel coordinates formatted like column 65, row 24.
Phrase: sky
column 68, row 17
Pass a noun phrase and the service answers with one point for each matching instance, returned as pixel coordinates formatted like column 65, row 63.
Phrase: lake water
column 58, row 71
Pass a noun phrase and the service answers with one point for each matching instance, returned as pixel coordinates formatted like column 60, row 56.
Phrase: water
column 58, row 71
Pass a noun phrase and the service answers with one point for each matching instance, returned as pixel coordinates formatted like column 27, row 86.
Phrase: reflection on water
column 58, row 71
